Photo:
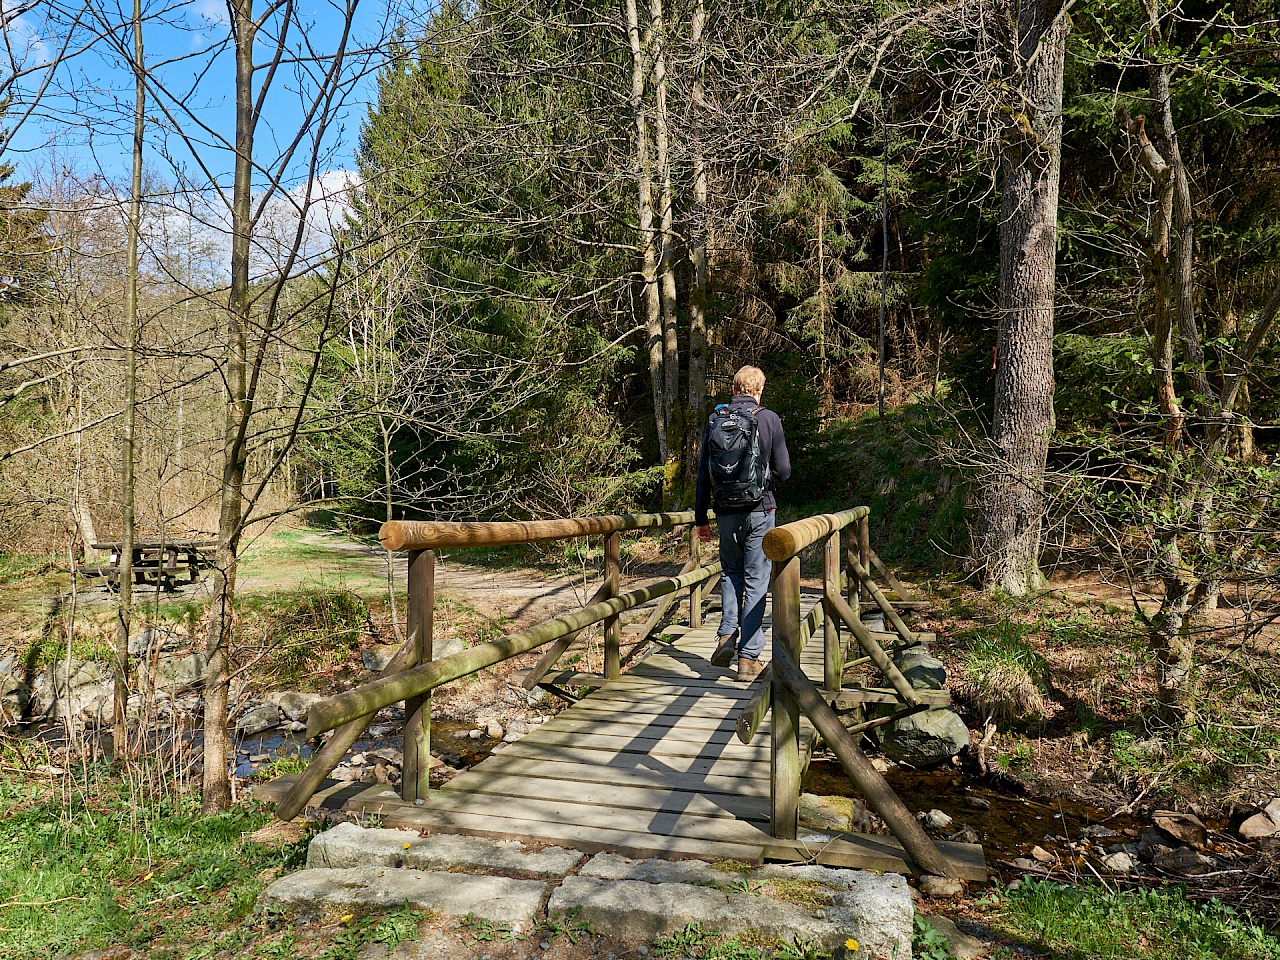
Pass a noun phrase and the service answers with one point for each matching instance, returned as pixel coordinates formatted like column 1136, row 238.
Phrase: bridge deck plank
column 647, row 765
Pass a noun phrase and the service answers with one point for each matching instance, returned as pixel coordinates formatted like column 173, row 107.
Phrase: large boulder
column 80, row 687
column 922, row 671
column 14, row 691
column 839, row 813
column 258, row 719
column 442, row 647
column 926, row 738
column 179, row 673
column 293, row 703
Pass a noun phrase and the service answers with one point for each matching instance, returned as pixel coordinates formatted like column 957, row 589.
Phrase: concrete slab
column 500, row 899
column 877, row 915
column 348, row 845
column 877, row 905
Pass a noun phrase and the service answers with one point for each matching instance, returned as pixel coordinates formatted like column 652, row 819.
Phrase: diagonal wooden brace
column 559, row 648
column 874, row 650
column 331, row 754
column 881, row 600
column 928, row 858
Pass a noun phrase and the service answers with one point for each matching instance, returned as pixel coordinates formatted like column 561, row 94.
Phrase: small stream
column 1007, row 826
column 253, row 753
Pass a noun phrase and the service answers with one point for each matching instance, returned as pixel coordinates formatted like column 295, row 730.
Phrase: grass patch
column 21, row 566
column 52, row 649
column 304, row 634
column 296, row 558
column 810, row 894
column 699, row 943
column 1008, row 679
column 391, row 929
column 92, row 867
column 1087, row 921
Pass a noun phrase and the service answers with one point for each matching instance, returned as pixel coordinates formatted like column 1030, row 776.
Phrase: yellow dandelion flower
column 347, row 918
column 406, row 846
column 851, row 944
column 148, row 876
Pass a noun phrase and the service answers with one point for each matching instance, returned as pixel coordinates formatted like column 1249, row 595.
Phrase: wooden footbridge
column 673, row 757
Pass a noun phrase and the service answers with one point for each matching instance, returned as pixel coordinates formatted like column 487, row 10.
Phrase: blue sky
column 85, row 113
column 80, row 127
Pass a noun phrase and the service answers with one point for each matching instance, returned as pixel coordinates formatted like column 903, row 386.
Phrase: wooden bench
column 156, row 561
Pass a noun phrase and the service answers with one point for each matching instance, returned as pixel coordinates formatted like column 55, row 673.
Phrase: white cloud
column 214, row 12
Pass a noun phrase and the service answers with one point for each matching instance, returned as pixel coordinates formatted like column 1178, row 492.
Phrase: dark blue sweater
column 773, row 448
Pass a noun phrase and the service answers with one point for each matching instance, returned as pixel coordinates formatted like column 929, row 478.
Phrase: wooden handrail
column 753, row 712
column 372, row 697
column 784, row 542
column 433, row 534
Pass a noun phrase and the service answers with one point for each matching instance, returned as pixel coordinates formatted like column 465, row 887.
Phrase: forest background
column 1011, row 269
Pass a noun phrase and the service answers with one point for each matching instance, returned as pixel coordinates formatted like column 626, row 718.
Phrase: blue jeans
column 746, row 573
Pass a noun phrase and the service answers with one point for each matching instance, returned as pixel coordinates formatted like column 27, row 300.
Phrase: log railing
column 787, row 692
column 413, row 674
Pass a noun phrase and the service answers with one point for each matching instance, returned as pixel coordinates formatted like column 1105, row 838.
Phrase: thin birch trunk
column 666, row 245
column 216, row 787
column 648, row 235
column 119, row 714
column 388, row 476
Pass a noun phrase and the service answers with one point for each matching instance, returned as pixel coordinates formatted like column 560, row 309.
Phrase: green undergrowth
column 21, row 566
column 304, row 633
column 1089, row 922
column 84, row 864
column 892, row 465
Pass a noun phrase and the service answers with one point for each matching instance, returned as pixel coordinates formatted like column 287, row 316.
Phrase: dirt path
column 520, row 595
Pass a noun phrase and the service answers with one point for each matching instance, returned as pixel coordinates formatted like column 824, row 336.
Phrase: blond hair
column 749, row 380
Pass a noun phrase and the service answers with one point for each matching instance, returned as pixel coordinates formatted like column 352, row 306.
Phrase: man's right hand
column 704, row 533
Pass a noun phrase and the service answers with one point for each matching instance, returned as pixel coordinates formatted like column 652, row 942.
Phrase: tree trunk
column 648, row 235
column 119, row 714
column 666, row 246
column 699, row 228
column 1171, row 640
column 388, row 476
column 1013, row 496
column 824, row 368
column 216, row 788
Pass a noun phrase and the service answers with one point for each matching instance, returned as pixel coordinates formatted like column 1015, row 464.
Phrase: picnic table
column 157, row 561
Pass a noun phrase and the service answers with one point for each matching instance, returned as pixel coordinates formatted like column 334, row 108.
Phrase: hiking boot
column 748, row 670
column 725, row 650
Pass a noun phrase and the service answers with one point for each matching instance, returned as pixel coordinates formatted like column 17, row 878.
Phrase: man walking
column 743, row 453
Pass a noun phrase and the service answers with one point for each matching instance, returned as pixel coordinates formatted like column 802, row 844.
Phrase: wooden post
column 612, row 625
column 864, row 553
column 852, row 593
column 785, row 727
column 415, row 780
column 695, row 592
column 832, row 647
